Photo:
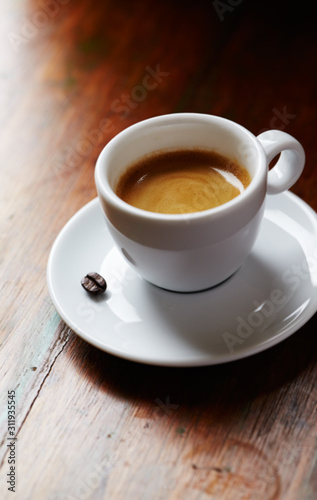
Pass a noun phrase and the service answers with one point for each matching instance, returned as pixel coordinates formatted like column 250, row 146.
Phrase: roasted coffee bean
column 94, row 283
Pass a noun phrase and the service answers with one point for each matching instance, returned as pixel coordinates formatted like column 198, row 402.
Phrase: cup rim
column 107, row 193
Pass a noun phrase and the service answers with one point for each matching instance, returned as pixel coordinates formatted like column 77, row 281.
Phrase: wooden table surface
column 89, row 425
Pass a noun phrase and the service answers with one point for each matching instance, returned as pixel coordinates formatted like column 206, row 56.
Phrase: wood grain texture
column 91, row 426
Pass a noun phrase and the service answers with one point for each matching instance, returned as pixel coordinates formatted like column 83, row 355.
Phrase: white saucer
column 270, row 297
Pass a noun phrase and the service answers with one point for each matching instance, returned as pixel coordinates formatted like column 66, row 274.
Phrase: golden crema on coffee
column 182, row 181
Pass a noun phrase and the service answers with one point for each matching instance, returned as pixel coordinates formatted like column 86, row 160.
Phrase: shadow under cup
column 188, row 252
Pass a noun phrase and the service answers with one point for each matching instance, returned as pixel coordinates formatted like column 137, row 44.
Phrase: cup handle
column 290, row 163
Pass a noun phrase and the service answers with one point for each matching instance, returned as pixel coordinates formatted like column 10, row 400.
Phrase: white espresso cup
column 195, row 251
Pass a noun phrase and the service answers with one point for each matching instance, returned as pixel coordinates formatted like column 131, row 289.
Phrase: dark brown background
column 91, row 425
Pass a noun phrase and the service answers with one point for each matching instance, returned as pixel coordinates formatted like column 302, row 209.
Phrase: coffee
column 182, row 181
